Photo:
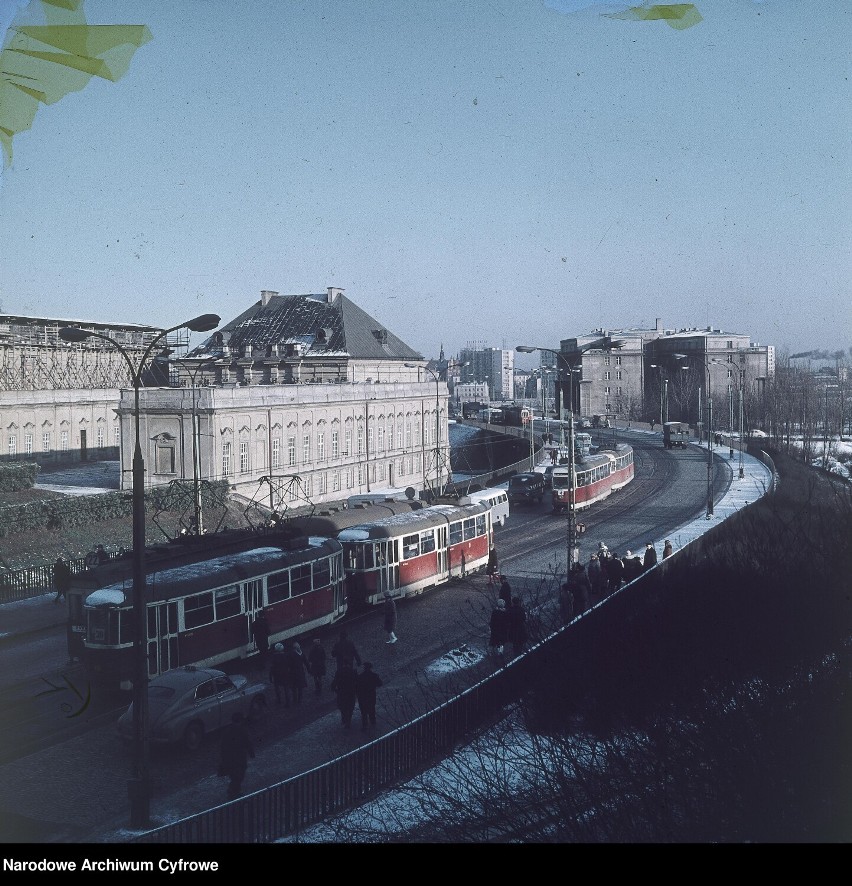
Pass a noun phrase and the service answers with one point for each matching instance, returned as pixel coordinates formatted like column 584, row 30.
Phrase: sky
column 486, row 172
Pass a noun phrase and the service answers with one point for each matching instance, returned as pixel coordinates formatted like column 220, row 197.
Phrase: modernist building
column 301, row 398
column 493, row 366
column 57, row 400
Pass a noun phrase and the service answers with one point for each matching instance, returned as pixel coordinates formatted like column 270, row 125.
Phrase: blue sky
column 489, row 171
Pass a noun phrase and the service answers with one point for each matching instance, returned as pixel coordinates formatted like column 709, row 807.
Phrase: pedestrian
column 667, row 549
column 236, row 748
column 296, row 669
column 614, row 573
column 101, row 556
column 343, row 685
column 597, row 577
column 505, row 591
column 390, row 617
column 260, row 634
column 61, row 579
column 499, row 628
column 650, row 558
column 517, row 626
column 278, row 672
column 581, row 587
column 566, row 602
column 366, row 684
column 316, row 663
column 632, row 566
column 491, row 569
column 345, row 653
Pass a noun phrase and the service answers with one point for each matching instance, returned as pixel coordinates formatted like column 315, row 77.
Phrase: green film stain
column 675, row 15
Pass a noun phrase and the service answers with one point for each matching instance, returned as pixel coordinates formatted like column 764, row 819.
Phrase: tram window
column 227, row 602
column 410, row 546
column 278, row 586
column 322, row 573
column 379, row 556
column 300, row 579
column 469, row 528
column 456, row 533
column 198, row 610
column 120, row 627
column 152, row 621
column 173, row 618
column 427, row 541
column 480, row 524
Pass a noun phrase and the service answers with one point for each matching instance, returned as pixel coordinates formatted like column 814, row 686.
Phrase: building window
column 606, row 361
column 13, row 445
column 335, row 482
column 410, row 466
column 28, row 444
column 360, row 440
column 730, row 344
column 291, row 451
column 227, row 467
column 347, row 444
column 390, row 434
column 407, row 434
column 116, row 435
column 165, row 456
column 100, row 438
column 607, row 375
column 607, row 390
column 360, row 474
column 276, row 453
column 382, row 471
column 619, row 391
column 335, row 444
column 45, row 441
column 320, row 446
column 618, row 375
column 244, row 456
column 63, row 441
column 399, row 435
column 306, row 448
column 321, row 490
column 618, row 361
column 370, row 440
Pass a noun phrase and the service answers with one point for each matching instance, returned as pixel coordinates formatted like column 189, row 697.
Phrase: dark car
column 187, row 703
column 547, row 473
column 526, row 488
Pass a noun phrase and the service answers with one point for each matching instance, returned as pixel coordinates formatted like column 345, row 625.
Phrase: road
column 60, row 745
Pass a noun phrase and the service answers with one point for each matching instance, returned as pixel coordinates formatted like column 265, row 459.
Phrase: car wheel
column 256, row 708
column 193, row 736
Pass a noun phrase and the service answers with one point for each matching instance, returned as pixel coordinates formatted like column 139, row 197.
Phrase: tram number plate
column 78, row 629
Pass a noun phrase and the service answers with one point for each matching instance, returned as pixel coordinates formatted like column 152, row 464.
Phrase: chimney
column 265, row 295
column 334, row 293
column 659, row 325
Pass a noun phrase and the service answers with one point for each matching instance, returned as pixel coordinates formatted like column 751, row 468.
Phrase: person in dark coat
column 345, row 653
column 236, row 748
column 61, row 579
column 296, row 669
column 316, row 663
column 499, row 628
column 343, row 685
column 566, row 602
column 668, row 550
column 518, row 626
column 597, row 577
column 491, row 570
column 366, row 684
column 260, row 634
column 278, row 671
column 650, row 558
column 581, row 588
column 632, row 566
column 505, row 591
column 614, row 573
column 390, row 617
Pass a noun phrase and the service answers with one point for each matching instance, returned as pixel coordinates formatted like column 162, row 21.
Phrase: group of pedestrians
column 508, row 623
column 351, row 685
column 290, row 668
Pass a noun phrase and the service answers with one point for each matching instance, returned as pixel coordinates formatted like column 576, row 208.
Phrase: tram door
column 443, row 552
column 253, row 596
column 163, row 654
column 387, row 565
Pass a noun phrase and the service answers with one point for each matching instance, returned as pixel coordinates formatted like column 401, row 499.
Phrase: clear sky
column 488, row 171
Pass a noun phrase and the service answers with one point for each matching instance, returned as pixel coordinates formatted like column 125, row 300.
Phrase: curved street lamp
column 570, row 365
column 138, row 786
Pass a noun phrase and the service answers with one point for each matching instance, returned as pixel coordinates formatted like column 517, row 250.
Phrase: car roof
column 186, row 678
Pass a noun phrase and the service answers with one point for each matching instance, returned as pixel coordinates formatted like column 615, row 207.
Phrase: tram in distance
column 204, row 592
column 598, row 476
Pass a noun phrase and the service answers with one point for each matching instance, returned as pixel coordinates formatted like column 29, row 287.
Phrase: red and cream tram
column 597, row 475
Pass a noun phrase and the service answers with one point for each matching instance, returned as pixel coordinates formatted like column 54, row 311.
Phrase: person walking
column 366, row 684
column 517, row 626
column 491, row 570
column 581, row 588
column 236, row 748
column 632, row 566
column 345, row 653
column 296, row 669
column 390, row 617
column 650, row 558
column 278, row 672
column 614, row 573
column 260, row 634
column 316, row 663
column 597, row 577
column 61, row 579
column 499, row 628
column 505, row 591
column 343, row 685
column 566, row 601
column 667, row 549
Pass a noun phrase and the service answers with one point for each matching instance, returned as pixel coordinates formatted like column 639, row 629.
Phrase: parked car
column 187, row 703
column 526, row 487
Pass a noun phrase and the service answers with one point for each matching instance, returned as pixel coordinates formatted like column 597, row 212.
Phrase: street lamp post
column 138, row 786
column 605, row 344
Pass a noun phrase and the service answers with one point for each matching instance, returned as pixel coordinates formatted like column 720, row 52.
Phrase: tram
column 598, row 476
